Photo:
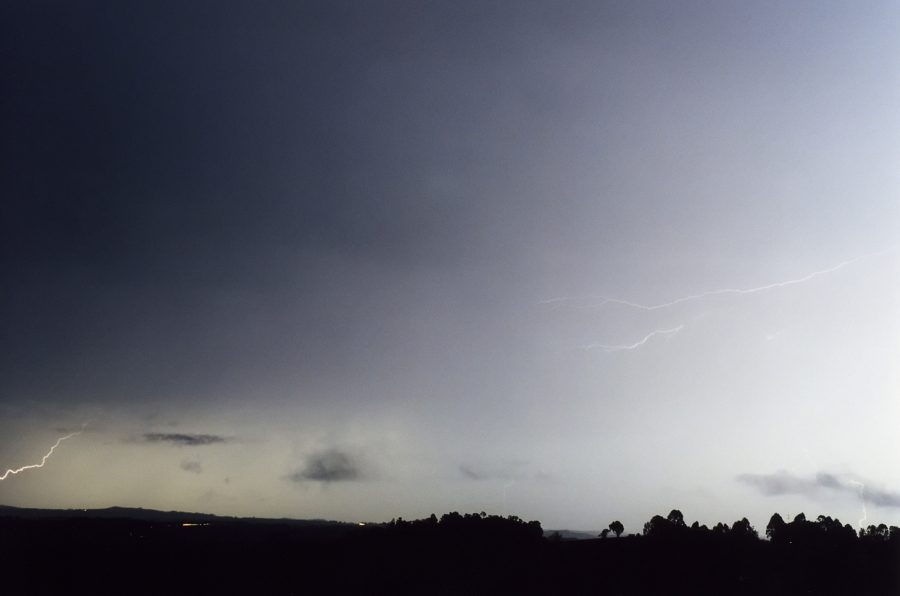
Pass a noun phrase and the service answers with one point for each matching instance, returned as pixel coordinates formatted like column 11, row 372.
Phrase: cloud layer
column 191, row 465
column 503, row 471
column 328, row 466
column 785, row 483
column 183, row 439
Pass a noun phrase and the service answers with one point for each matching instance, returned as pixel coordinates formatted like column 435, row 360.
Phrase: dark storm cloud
column 246, row 132
column 174, row 173
column 328, row 466
column 471, row 474
column 780, row 483
column 504, row 471
column 183, row 439
column 193, row 466
column 785, row 483
column 882, row 498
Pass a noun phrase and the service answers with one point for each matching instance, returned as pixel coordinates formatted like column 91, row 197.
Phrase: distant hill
column 152, row 515
column 142, row 552
column 571, row 534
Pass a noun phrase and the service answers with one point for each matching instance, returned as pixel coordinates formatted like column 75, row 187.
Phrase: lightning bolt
column 12, row 472
column 637, row 344
column 604, row 300
column 862, row 497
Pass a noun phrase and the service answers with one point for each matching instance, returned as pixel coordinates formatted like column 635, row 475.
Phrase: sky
column 575, row 262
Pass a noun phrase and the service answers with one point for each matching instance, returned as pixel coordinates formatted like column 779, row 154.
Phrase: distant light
column 360, row 524
column 188, row 525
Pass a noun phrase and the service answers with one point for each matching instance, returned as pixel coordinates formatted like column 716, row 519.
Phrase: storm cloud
column 191, row 465
column 335, row 236
column 503, row 471
column 472, row 474
column 822, row 484
column 328, row 466
column 183, row 439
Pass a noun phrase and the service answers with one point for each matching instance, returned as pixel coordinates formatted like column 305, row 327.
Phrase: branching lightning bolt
column 634, row 346
column 723, row 291
column 12, row 472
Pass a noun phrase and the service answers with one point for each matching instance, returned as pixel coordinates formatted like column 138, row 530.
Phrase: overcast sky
column 571, row 261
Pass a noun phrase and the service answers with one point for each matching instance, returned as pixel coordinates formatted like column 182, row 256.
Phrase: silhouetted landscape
column 584, row 262
column 137, row 551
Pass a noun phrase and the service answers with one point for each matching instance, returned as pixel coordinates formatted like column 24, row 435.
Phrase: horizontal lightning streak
column 11, row 472
column 634, row 346
column 722, row 291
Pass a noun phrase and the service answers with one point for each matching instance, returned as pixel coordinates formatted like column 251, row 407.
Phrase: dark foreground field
column 140, row 552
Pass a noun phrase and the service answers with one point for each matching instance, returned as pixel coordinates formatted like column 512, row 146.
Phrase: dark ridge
column 152, row 515
column 138, row 551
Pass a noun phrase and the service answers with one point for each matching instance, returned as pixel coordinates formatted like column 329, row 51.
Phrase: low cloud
column 881, row 498
column 191, row 465
column 183, row 439
column 331, row 465
column 822, row 484
column 782, row 483
column 504, row 471
column 473, row 474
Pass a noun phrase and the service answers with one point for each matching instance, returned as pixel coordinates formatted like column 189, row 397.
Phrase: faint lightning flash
column 609, row 348
column 781, row 284
column 506, row 487
column 12, row 472
column 862, row 498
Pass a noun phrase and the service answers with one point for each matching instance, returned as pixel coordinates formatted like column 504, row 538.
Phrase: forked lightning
column 12, row 472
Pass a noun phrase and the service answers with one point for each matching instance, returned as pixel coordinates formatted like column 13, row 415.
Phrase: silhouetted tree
column 743, row 529
column 775, row 527
column 657, row 526
column 879, row 532
column 698, row 529
column 617, row 528
column 676, row 518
